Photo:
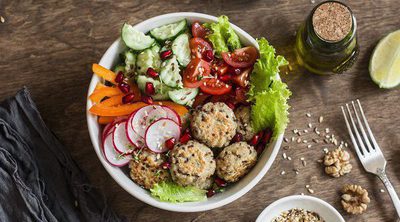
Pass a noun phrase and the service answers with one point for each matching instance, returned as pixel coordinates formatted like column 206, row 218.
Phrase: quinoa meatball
column 146, row 169
column 213, row 124
column 192, row 164
column 244, row 127
column 235, row 161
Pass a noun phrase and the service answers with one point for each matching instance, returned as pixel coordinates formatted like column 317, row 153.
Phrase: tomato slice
column 198, row 30
column 198, row 46
column 242, row 79
column 215, row 86
column 194, row 73
column 219, row 67
column 241, row 58
column 241, row 95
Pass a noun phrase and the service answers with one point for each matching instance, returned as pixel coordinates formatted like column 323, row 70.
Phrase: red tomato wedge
column 198, row 30
column 242, row 79
column 215, row 86
column 194, row 73
column 241, row 58
column 198, row 46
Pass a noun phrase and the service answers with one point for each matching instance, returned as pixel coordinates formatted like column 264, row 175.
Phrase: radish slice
column 159, row 132
column 132, row 136
column 109, row 128
column 140, row 120
column 172, row 114
column 111, row 155
column 120, row 140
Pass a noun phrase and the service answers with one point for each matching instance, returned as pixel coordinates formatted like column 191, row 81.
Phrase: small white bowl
column 325, row 210
column 235, row 191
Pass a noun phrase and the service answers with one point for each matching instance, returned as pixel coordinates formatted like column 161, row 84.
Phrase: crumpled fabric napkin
column 39, row 181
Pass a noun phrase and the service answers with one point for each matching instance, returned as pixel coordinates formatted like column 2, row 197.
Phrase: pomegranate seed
column 165, row 165
column 185, row 138
column 124, row 87
column 220, row 182
column 147, row 100
column 208, row 55
column 128, row 98
column 210, row 193
column 230, row 105
column 260, row 148
column 256, row 139
column 149, row 89
column 170, row 143
column 267, row 136
column 152, row 73
column 120, row 77
column 225, row 78
column 165, row 54
column 234, row 71
column 237, row 138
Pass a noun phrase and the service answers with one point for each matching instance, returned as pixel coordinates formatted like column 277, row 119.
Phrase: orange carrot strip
column 113, row 100
column 106, row 119
column 99, row 94
column 126, row 109
column 99, row 85
column 181, row 110
column 104, row 73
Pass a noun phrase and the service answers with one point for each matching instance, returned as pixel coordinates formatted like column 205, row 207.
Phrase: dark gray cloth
column 39, row 181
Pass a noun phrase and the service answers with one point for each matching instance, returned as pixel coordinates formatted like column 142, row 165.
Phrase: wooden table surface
column 49, row 46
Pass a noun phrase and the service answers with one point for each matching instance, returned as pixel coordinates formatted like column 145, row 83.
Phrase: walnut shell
column 337, row 162
column 354, row 199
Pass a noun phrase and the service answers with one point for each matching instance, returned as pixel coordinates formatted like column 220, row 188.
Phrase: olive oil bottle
column 326, row 43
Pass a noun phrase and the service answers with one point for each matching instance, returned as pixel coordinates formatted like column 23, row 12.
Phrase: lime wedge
column 384, row 66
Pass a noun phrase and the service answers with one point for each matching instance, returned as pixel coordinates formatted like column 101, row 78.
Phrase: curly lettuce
column 171, row 192
column 267, row 92
column 222, row 35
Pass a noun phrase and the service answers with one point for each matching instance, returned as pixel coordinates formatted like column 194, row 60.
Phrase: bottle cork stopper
column 332, row 21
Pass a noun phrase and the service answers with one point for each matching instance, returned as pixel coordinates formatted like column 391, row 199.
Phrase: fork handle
column 392, row 193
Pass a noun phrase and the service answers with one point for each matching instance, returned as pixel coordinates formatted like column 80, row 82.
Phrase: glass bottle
column 322, row 55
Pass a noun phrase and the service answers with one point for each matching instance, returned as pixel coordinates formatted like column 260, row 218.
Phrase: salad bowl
column 108, row 60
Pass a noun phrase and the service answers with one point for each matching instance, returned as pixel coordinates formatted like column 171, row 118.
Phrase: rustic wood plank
column 50, row 45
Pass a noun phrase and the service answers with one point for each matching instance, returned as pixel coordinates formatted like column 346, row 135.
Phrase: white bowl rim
column 178, row 207
column 316, row 200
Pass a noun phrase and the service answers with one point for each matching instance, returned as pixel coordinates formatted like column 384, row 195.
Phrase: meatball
column 146, row 168
column 214, row 124
column 242, row 114
column 235, row 161
column 192, row 164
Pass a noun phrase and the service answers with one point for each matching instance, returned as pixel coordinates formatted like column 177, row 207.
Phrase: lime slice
column 384, row 66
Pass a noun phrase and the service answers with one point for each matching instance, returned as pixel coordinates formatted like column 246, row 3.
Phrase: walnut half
column 354, row 199
column 337, row 162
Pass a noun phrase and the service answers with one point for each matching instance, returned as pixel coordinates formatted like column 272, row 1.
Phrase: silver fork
column 367, row 149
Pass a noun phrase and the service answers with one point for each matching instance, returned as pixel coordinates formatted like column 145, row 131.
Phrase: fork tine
column 361, row 127
column 367, row 125
column 360, row 142
column 359, row 154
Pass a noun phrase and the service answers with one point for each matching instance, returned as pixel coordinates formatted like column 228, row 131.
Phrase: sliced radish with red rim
column 140, row 121
column 159, row 132
column 111, row 155
column 173, row 115
column 109, row 128
column 120, row 140
column 133, row 137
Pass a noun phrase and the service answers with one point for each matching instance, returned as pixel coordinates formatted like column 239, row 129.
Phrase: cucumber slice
column 180, row 47
column 130, row 61
column 134, row 39
column 148, row 58
column 170, row 73
column 184, row 96
column 169, row 31
column 161, row 89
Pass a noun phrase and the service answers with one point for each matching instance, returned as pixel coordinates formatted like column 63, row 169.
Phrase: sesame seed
column 301, row 158
column 305, row 131
column 289, row 158
column 2, row 19
column 326, row 150
column 304, row 163
column 310, row 125
column 320, row 161
column 305, row 141
column 309, row 146
column 315, row 140
column 296, row 171
column 286, row 139
column 298, row 140
column 321, row 119
column 283, row 172
column 308, row 115
column 345, row 144
column 284, row 156
column 293, row 139
column 310, row 191
column 382, row 190
column 295, row 131
column 307, row 186
column 302, row 194
column 327, row 130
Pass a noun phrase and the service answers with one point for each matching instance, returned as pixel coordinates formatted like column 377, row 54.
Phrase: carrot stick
column 113, row 100
column 99, row 94
column 181, row 110
column 106, row 119
column 104, row 73
column 99, row 85
column 122, row 110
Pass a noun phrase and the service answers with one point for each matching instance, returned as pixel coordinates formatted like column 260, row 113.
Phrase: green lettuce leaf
column 267, row 92
column 171, row 192
column 223, row 37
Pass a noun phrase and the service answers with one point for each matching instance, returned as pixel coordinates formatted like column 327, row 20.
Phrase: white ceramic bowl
column 325, row 210
column 108, row 60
